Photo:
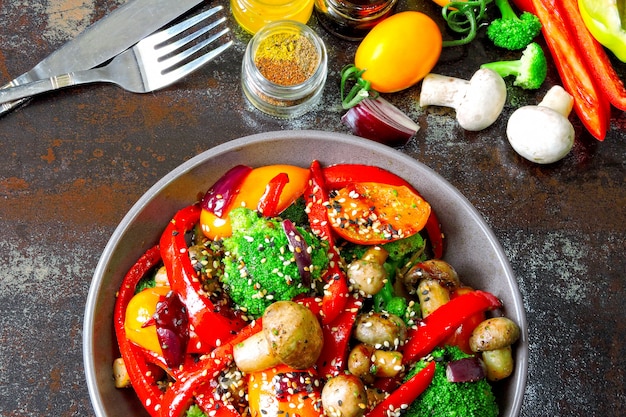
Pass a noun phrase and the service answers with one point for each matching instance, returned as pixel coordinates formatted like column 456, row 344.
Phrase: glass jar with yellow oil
column 252, row 15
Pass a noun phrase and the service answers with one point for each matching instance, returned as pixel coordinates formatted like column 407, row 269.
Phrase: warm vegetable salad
column 308, row 291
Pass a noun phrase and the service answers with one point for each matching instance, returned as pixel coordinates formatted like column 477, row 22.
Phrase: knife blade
column 106, row 38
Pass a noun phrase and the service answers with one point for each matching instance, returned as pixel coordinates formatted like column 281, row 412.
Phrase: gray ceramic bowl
column 471, row 246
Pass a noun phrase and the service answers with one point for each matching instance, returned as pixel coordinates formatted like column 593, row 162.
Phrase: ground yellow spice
column 286, row 58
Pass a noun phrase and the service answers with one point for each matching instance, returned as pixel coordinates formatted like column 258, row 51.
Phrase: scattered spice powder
column 286, row 58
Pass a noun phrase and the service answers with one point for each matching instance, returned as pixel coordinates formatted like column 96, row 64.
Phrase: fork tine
column 190, row 67
column 171, row 62
column 166, row 34
column 169, row 48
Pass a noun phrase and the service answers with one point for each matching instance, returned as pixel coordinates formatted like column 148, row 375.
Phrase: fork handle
column 38, row 87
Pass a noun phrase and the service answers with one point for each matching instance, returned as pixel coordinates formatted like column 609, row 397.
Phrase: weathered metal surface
column 72, row 163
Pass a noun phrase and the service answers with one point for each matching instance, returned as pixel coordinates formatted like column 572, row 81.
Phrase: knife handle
column 7, row 107
column 9, row 95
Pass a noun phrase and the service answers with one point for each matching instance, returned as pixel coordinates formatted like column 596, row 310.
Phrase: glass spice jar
column 252, row 15
column 352, row 19
column 284, row 69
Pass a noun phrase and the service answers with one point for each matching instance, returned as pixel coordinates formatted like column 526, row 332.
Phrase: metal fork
column 153, row 63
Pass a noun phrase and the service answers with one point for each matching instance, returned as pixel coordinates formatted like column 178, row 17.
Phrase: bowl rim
column 519, row 378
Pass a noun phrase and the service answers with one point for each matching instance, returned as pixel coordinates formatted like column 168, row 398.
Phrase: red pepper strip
column 591, row 105
column 138, row 368
column 191, row 381
column 211, row 326
column 336, row 291
column 405, row 394
column 316, row 197
column 442, row 322
column 334, row 355
column 268, row 204
column 595, row 55
column 339, row 176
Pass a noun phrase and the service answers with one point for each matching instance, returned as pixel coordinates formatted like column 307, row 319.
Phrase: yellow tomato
column 251, row 192
column 399, row 51
column 265, row 400
column 140, row 309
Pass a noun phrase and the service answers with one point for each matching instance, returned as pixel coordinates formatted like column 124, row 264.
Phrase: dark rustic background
column 73, row 162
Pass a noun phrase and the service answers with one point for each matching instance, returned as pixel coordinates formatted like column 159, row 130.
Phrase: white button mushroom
column 478, row 102
column 543, row 133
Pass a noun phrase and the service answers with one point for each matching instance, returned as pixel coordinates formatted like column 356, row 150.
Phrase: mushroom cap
column 540, row 134
column 483, row 102
column 494, row 333
column 293, row 333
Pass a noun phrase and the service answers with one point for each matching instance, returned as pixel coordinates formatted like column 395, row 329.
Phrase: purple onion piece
column 219, row 196
column 300, row 250
column 172, row 327
column 470, row 369
column 381, row 121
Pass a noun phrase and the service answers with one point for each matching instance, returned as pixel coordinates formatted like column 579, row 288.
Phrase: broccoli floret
column 195, row 411
column 511, row 31
column 452, row 399
column 400, row 249
column 530, row 70
column 387, row 300
column 260, row 268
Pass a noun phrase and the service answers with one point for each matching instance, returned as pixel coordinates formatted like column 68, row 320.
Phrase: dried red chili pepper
column 405, row 394
column 268, row 204
column 138, row 368
column 444, row 321
column 210, row 325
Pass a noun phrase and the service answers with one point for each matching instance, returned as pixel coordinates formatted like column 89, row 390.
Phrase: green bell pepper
column 604, row 19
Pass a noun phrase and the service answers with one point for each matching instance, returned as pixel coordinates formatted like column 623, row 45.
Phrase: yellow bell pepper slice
column 604, row 19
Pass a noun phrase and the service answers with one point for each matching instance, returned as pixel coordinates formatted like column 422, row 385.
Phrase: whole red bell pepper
column 405, row 394
column 210, row 325
column 340, row 175
column 590, row 103
column 333, row 358
column 444, row 321
column 138, row 368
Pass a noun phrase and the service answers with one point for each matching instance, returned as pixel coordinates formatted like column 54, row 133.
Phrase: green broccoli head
column 452, row 399
column 260, row 266
column 530, row 70
column 511, row 31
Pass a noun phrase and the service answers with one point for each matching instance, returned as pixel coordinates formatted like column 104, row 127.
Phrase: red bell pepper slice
column 405, row 394
column 211, row 326
column 340, row 175
column 316, row 197
column 444, row 321
column 334, row 355
column 138, row 368
column 268, row 204
column 595, row 55
column 195, row 378
column 591, row 105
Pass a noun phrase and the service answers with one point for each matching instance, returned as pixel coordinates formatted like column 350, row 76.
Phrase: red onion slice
column 470, row 369
column 381, row 121
column 300, row 250
column 220, row 195
column 172, row 327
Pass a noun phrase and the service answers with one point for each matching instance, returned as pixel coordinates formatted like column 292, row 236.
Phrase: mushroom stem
column 558, row 100
column 478, row 102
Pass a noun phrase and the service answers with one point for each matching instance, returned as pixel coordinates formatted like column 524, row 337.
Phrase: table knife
column 114, row 33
